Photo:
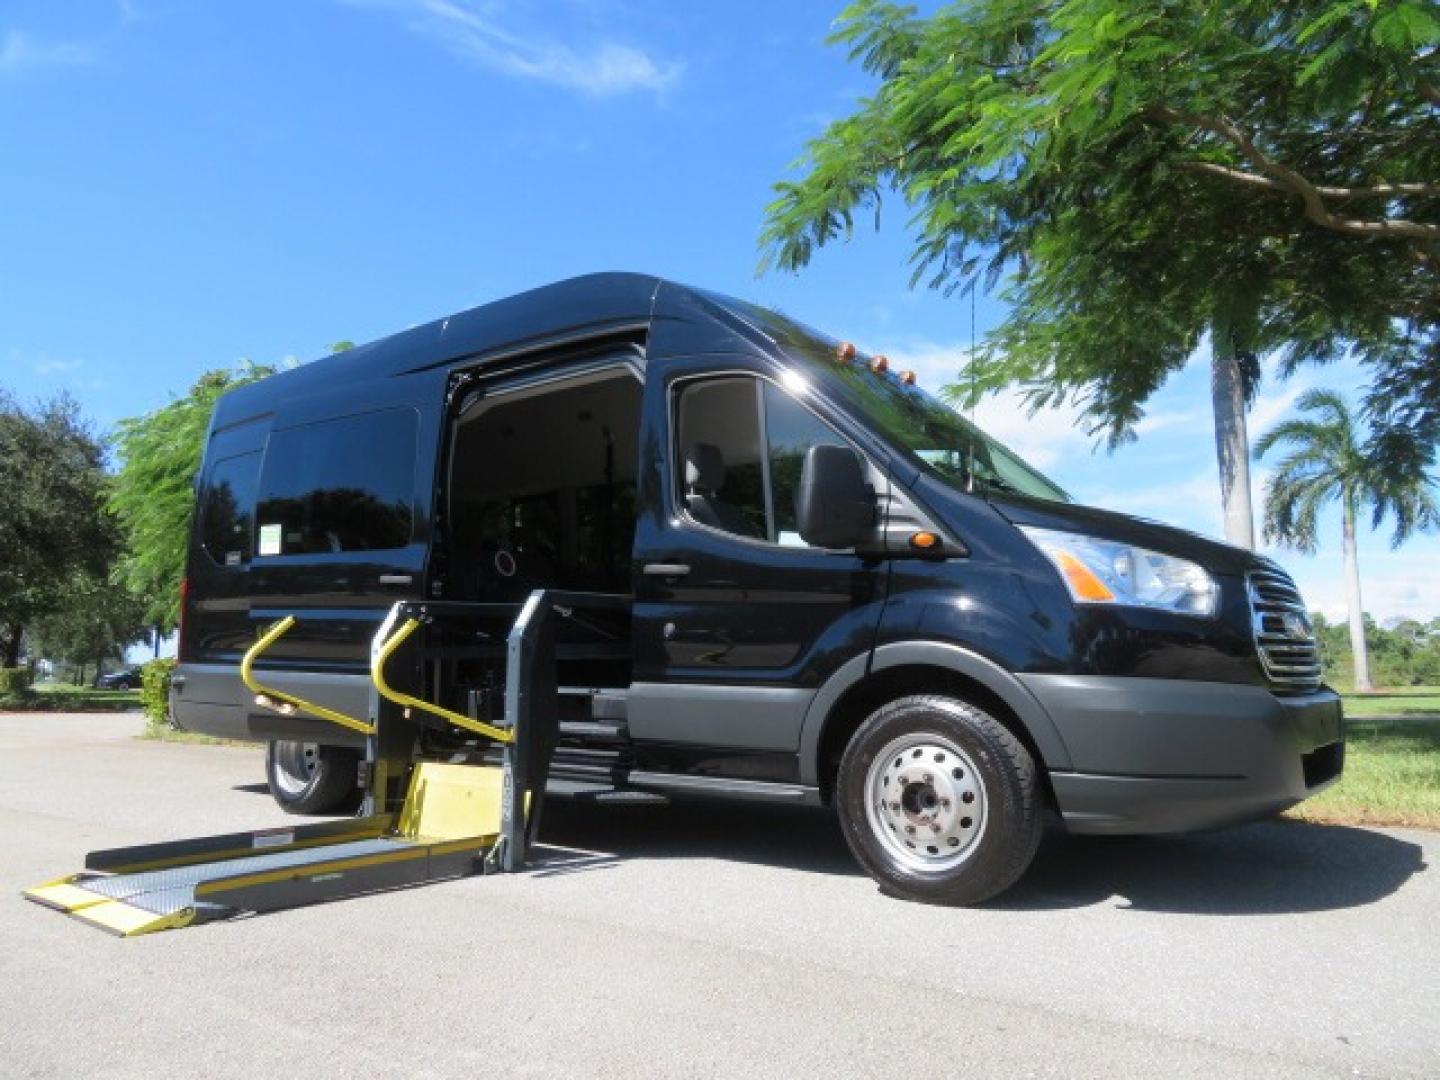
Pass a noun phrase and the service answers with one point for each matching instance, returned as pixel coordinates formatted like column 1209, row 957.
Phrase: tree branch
column 1378, row 191
column 1277, row 176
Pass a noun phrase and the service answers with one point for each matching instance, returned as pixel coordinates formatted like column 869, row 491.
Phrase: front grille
column 1283, row 637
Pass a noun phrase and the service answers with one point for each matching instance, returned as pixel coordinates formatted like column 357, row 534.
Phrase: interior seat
column 704, row 477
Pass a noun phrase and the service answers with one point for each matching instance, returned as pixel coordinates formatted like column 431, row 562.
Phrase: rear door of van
column 342, row 531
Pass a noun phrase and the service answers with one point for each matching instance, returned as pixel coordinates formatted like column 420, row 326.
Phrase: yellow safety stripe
column 377, row 676
column 126, row 920
column 247, row 676
column 64, row 896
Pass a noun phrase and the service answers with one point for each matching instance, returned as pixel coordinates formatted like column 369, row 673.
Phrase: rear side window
column 339, row 485
column 227, row 509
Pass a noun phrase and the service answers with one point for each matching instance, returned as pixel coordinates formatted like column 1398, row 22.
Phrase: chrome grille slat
column 1290, row 663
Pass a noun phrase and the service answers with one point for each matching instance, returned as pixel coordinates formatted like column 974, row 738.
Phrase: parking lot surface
column 710, row 940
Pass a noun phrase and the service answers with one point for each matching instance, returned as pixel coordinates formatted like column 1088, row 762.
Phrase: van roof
column 594, row 304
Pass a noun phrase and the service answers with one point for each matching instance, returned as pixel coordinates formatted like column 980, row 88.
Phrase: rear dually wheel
column 307, row 778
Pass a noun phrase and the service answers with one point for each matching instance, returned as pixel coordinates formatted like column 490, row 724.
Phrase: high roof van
column 838, row 591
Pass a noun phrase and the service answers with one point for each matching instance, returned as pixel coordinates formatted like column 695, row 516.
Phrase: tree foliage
column 1406, row 653
column 54, row 527
column 91, row 620
column 1328, row 462
column 1136, row 174
column 154, row 493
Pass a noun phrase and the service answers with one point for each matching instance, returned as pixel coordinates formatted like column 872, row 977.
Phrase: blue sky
column 185, row 185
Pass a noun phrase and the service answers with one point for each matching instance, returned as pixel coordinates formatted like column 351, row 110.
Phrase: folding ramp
column 455, row 819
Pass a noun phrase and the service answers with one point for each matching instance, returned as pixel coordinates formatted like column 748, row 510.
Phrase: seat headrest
column 704, row 467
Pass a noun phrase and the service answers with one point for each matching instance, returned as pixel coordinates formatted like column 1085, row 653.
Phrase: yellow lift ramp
column 455, row 819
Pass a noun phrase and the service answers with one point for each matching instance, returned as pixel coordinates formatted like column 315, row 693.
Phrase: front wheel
column 306, row 778
column 939, row 801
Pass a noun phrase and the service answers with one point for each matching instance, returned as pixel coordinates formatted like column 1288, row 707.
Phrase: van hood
column 1214, row 555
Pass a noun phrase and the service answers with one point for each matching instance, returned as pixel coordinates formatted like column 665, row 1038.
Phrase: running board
column 757, row 790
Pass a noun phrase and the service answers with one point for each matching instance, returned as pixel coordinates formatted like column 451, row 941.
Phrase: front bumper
column 1168, row 755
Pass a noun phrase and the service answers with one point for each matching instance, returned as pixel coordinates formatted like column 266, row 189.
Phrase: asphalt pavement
column 709, row 939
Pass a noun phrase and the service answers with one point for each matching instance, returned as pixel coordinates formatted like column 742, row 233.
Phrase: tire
column 305, row 778
column 967, row 817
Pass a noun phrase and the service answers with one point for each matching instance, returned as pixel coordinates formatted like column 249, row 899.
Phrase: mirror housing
column 835, row 507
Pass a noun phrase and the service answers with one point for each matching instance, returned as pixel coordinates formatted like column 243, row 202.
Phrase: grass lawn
column 1419, row 701
column 166, row 733
column 1392, row 766
column 66, row 697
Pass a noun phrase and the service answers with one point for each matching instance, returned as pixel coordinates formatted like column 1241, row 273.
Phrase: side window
column 227, row 509
column 339, row 485
column 790, row 430
column 742, row 444
column 720, row 461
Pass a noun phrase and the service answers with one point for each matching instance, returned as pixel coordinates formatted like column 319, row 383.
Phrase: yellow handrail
column 377, row 676
column 266, row 696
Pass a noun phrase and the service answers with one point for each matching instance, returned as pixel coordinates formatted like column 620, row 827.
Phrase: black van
column 840, row 591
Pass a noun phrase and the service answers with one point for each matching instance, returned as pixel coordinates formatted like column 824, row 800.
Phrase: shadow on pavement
column 1271, row 867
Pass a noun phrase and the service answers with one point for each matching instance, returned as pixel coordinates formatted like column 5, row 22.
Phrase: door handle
column 666, row 569
column 396, row 579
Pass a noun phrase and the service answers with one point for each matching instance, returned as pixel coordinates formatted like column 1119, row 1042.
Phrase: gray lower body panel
column 704, row 714
column 211, row 699
column 1166, row 755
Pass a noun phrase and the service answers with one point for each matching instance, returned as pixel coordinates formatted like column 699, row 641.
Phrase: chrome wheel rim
column 295, row 765
column 925, row 802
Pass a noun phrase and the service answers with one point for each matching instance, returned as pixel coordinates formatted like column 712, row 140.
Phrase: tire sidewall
column 1011, row 826
column 331, row 788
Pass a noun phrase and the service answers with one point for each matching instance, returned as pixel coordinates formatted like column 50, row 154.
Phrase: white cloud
column 46, row 366
column 1197, row 419
column 470, row 29
column 19, row 53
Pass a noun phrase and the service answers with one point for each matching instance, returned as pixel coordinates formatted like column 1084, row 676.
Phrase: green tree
column 154, row 491
column 53, row 521
column 91, row 621
column 1142, row 175
column 1327, row 461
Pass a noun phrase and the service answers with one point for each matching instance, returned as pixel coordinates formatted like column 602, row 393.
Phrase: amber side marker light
column 1083, row 582
column 924, row 541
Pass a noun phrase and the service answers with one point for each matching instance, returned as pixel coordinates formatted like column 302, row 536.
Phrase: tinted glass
column 790, row 430
column 227, row 509
column 339, row 485
column 720, row 461
column 936, row 434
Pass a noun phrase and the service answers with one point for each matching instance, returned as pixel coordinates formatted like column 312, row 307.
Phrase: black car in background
column 127, row 678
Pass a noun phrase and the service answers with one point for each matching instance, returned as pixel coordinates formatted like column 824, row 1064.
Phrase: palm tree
column 1330, row 459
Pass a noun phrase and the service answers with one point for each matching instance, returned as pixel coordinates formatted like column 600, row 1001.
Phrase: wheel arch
column 864, row 683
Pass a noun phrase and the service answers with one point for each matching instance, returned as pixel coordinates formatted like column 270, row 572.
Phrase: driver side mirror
column 834, row 504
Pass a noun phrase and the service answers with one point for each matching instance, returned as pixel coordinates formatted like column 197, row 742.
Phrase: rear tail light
column 180, row 622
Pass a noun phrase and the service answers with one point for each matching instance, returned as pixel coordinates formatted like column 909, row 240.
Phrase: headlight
column 1103, row 572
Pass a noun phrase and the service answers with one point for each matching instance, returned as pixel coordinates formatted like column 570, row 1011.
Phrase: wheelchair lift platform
column 455, row 819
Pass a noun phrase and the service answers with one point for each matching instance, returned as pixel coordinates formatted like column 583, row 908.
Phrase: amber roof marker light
column 907, row 378
column 845, row 352
column 880, row 364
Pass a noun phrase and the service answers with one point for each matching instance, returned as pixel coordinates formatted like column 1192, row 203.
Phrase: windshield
column 943, row 440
